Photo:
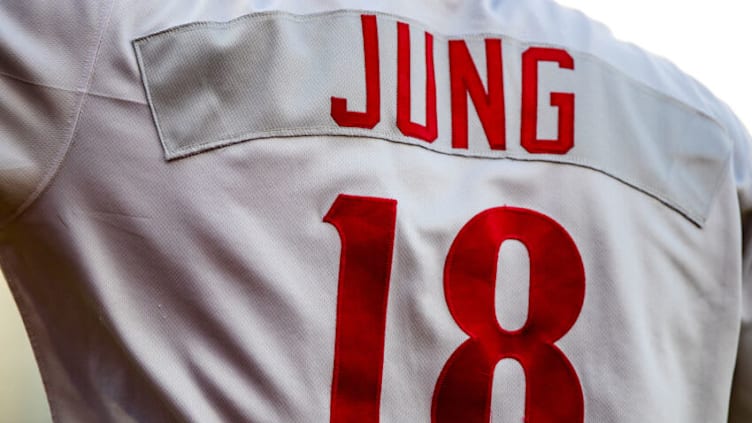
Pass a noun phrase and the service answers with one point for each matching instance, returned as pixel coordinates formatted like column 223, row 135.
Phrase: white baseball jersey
column 369, row 211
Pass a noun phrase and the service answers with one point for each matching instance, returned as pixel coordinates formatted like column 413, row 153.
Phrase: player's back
column 398, row 211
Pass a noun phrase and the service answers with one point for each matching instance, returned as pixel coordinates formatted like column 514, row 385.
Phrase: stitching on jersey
column 62, row 152
column 147, row 91
column 572, row 158
column 39, row 84
column 70, row 90
column 116, row 98
column 647, row 189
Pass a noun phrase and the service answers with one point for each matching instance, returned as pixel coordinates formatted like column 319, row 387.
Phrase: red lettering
column 553, row 393
column 366, row 227
column 563, row 101
column 428, row 132
column 465, row 81
column 489, row 105
column 371, row 117
column 557, row 292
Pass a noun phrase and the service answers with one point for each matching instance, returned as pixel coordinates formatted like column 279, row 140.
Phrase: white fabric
column 205, row 288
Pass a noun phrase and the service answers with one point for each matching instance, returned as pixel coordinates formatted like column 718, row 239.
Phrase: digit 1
column 366, row 227
column 557, row 291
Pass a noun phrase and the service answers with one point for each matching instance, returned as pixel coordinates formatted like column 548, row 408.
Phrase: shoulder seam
column 62, row 153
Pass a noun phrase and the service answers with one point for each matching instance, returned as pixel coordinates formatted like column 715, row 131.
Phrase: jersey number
column 366, row 227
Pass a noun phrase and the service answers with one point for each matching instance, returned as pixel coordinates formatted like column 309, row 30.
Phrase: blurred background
column 709, row 40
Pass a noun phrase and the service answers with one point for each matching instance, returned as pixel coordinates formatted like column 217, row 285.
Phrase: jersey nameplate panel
column 361, row 74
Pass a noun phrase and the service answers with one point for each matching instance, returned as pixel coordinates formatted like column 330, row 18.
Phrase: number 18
column 367, row 226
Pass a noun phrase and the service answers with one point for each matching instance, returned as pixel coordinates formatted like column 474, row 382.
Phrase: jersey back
column 372, row 212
